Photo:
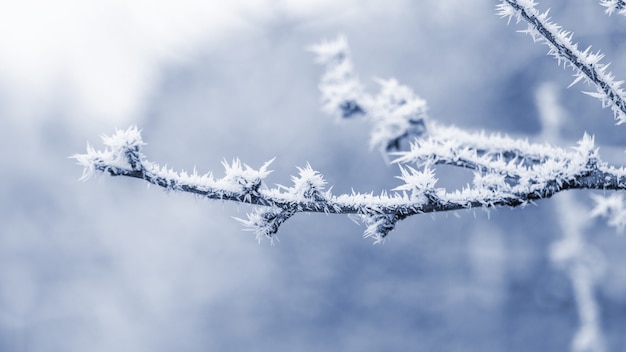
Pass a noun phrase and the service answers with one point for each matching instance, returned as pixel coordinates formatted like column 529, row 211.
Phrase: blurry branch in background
column 396, row 113
column 583, row 262
column 507, row 171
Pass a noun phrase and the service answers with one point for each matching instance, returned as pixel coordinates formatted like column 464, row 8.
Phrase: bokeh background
column 112, row 265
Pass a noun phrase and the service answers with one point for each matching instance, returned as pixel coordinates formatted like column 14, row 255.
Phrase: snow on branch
column 396, row 112
column 501, row 180
column 586, row 64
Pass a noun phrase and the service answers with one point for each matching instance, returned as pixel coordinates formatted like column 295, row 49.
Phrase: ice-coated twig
column 479, row 151
column 586, row 64
column 613, row 6
column 497, row 183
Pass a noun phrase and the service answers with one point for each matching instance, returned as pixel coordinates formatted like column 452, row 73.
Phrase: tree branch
column 507, row 172
column 586, row 64
column 580, row 170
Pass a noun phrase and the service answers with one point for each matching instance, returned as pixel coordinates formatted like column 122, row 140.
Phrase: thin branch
column 583, row 170
column 478, row 151
column 586, row 64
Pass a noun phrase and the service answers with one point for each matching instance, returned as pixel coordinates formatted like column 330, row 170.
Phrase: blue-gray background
column 111, row 265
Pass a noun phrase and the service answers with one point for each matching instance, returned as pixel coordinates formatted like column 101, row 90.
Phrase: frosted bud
column 244, row 178
column 379, row 226
column 265, row 224
column 308, row 184
column 125, row 146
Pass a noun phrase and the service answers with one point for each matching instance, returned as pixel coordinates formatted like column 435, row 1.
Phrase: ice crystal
column 123, row 149
column 612, row 208
column 308, row 185
column 378, row 226
column 613, row 6
column 244, row 178
column 416, row 182
column 264, row 223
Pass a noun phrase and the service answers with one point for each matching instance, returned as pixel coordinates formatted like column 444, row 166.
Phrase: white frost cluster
column 396, row 112
column 586, row 64
column 378, row 225
column 417, row 182
column 308, row 185
column 264, row 223
column 341, row 89
column 503, row 165
column 122, row 149
column 243, row 178
column 612, row 208
column 618, row 6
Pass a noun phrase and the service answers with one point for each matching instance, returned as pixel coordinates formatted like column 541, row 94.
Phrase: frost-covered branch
column 586, row 64
column 507, row 171
column 502, row 166
column 497, row 182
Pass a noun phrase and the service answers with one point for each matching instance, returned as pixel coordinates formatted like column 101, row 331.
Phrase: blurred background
column 110, row 264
